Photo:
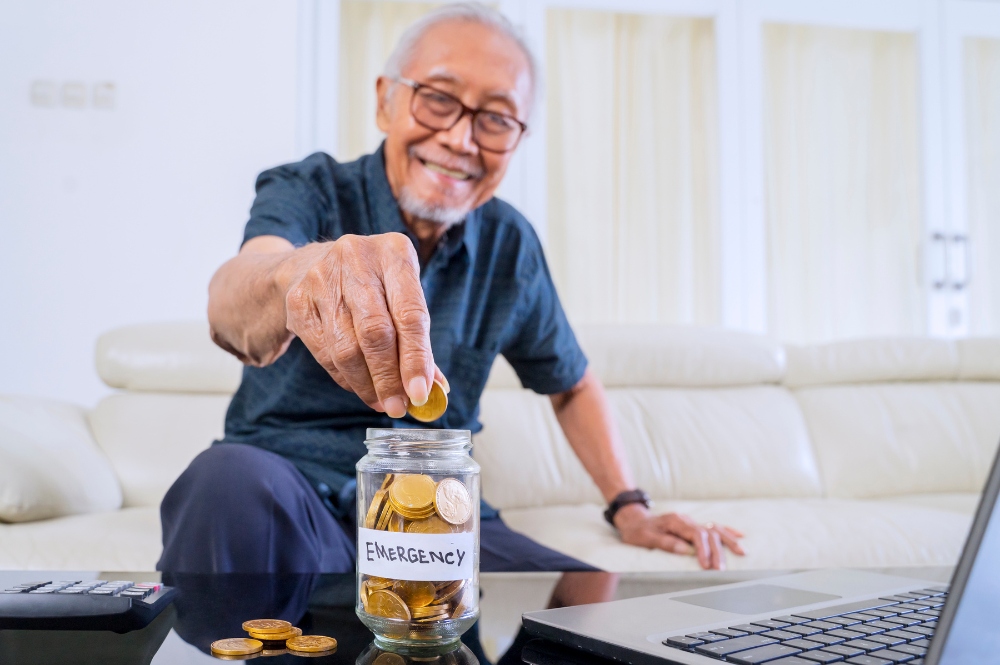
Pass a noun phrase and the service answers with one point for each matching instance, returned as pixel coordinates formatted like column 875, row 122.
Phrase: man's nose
column 459, row 137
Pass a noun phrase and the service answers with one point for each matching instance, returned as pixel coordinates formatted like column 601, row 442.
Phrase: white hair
column 462, row 11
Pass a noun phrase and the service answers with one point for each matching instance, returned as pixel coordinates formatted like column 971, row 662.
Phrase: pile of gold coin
column 415, row 503
column 272, row 637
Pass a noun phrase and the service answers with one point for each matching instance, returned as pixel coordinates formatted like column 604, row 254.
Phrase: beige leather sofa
column 864, row 453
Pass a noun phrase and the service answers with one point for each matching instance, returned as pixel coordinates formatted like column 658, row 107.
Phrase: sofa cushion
column 127, row 539
column 177, row 356
column 49, row 464
column 722, row 443
column 150, row 438
column 781, row 534
column 902, row 438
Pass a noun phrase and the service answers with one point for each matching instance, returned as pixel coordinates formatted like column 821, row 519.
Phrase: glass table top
column 213, row 607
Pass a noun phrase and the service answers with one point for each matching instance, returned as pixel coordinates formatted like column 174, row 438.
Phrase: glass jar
column 418, row 537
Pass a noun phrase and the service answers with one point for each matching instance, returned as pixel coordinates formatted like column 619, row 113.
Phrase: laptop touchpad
column 754, row 599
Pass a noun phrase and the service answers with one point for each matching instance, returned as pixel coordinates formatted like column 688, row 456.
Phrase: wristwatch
column 623, row 499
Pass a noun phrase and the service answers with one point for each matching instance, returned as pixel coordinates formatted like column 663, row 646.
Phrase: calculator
column 119, row 606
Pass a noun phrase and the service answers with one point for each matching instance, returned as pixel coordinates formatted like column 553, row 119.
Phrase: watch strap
column 624, row 499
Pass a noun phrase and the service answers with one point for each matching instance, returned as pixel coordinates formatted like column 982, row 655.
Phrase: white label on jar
column 422, row 557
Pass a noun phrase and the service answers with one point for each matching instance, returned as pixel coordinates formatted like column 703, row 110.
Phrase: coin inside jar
column 415, row 594
column 385, row 603
column 371, row 519
column 413, row 492
column 432, row 524
column 453, row 501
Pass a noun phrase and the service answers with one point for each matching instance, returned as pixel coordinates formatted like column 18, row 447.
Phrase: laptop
column 820, row 616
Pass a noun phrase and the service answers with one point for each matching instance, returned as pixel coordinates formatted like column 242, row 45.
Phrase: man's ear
column 383, row 113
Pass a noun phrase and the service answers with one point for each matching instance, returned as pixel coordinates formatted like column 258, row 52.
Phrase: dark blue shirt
column 488, row 291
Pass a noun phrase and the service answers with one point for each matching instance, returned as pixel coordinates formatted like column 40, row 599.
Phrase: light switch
column 104, row 95
column 43, row 93
column 74, row 95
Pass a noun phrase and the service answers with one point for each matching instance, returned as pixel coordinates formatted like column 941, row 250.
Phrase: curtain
column 841, row 145
column 982, row 127
column 368, row 33
column 633, row 218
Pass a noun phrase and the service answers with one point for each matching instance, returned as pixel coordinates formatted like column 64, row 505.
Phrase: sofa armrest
column 49, row 463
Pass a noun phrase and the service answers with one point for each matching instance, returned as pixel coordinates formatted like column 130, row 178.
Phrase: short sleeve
column 543, row 349
column 286, row 206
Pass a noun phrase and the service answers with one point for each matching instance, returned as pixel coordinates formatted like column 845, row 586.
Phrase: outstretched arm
column 585, row 417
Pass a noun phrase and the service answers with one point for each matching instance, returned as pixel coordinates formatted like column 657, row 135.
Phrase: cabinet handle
column 940, row 240
column 959, row 283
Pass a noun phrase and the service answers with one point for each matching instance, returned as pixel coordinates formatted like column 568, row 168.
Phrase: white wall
column 111, row 217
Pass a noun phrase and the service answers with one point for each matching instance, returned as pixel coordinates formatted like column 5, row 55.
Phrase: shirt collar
column 387, row 218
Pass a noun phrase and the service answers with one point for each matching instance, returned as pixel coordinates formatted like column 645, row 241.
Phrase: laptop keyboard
column 881, row 631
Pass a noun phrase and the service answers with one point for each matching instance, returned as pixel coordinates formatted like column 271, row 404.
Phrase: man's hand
column 357, row 305
column 678, row 534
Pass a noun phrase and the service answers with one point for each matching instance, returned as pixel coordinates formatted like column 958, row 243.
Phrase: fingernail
column 418, row 391
column 395, row 407
column 445, row 385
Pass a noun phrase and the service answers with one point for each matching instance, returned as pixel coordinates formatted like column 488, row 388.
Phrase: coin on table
column 267, row 626
column 311, row 643
column 371, row 519
column 434, row 407
column 237, row 646
column 385, row 603
column 414, row 594
column 250, row 656
column 453, row 501
column 275, row 637
column 413, row 493
column 432, row 524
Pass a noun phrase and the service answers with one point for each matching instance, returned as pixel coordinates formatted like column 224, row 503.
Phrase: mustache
column 469, row 166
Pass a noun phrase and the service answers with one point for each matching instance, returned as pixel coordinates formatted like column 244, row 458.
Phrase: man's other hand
column 678, row 534
column 358, row 306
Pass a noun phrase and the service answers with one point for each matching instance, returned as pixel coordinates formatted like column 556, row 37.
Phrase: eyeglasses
column 491, row 130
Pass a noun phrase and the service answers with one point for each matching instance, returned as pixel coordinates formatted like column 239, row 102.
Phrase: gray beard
column 413, row 205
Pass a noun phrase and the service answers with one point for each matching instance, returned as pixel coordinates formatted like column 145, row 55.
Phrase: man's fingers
column 717, row 558
column 673, row 544
column 350, row 359
column 729, row 539
column 363, row 292
column 440, row 378
column 410, row 318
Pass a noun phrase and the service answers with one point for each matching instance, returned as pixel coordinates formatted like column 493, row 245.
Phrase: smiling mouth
column 437, row 168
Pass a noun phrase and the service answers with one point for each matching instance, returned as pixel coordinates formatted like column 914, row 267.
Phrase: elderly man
column 358, row 284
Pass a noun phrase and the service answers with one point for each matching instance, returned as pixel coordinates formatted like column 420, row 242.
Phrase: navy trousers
column 241, row 509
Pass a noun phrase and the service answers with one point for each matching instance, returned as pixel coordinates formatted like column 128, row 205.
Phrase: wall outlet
column 43, row 93
column 104, row 95
column 74, row 95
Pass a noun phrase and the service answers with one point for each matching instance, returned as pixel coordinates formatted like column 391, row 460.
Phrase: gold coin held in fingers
column 434, row 407
column 453, row 501
column 267, row 626
column 311, row 643
column 237, row 646
column 413, row 493
column 385, row 603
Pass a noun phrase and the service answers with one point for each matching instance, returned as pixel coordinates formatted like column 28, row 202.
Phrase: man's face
column 445, row 171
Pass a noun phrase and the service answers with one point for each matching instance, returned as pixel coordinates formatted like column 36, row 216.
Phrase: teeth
column 457, row 175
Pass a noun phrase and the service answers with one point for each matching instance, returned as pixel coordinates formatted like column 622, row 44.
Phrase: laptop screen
column 968, row 628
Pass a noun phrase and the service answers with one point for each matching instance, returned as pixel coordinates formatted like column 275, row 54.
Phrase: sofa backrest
column 703, row 413
column 898, row 416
